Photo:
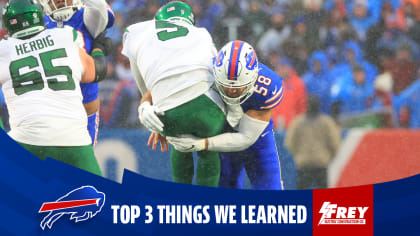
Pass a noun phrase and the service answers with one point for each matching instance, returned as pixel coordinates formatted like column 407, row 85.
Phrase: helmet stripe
column 254, row 56
column 234, row 56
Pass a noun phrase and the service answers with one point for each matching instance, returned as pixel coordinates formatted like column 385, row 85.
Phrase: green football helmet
column 176, row 11
column 23, row 18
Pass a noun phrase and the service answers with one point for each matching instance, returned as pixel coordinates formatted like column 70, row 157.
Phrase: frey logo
column 334, row 215
column 82, row 204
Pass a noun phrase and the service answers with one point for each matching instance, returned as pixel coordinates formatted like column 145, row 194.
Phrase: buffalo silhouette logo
column 82, row 203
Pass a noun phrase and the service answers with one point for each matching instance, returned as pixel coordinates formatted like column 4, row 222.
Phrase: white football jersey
column 163, row 49
column 40, row 78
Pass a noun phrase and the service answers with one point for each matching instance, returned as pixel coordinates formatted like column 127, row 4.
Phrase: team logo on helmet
column 251, row 60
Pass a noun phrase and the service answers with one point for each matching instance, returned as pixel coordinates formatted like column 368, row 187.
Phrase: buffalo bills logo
column 251, row 60
column 219, row 60
column 81, row 204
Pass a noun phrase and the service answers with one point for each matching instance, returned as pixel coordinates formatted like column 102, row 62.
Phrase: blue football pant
column 260, row 162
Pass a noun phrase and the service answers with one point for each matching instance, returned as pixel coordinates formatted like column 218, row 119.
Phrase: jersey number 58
column 260, row 88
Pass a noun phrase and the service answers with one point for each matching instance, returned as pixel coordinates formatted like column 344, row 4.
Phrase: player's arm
column 130, row 53
column 95, row 16
column 138, row 78
column 95, row 66
column 148, row 117
column 251, row 125
column 148, row 114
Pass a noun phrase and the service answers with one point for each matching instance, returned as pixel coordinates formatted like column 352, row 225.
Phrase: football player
column 40, row 70
column 171, row 60
column 250, row 90
column 90, row 18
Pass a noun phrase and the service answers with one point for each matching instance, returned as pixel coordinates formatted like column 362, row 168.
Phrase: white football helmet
column 63, row 13
column 236, row 66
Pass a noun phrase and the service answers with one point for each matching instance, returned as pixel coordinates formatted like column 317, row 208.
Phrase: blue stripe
column 239, row 56
column 230, row 58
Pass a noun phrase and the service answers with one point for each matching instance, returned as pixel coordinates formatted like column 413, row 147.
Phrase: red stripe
column 234, row 59
column 275, row 97
column 274, row 104
column 253, row 60
column 50, row 206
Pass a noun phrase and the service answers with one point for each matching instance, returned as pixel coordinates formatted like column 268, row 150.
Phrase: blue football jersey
column 268, row 92
column 76, row 21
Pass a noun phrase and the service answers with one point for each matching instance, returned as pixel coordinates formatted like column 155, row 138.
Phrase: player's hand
column 188, row 143
column 103, row 43
column 148, row 117
column 154, row 139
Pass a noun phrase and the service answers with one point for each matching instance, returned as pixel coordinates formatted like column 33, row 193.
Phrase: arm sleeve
column 127, row 51
column 138, row 78
column 249, row 131
column 95, row 16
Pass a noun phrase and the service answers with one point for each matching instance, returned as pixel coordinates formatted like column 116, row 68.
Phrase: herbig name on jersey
column 34, row 45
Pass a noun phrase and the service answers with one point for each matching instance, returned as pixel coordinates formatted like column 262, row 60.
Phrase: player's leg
column 82, row 157
column 203, row 118
column 78, row 156
column 182, row 165
column 208, row 169
column 90, row 93
column 209, row 121
column 232, row 170
column 263, row 165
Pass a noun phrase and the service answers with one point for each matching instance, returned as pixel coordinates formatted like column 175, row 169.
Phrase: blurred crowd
column 360, row 58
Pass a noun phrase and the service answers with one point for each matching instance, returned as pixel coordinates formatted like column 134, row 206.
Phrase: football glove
column 187, row 143
column 148, row 116
column 103, row 43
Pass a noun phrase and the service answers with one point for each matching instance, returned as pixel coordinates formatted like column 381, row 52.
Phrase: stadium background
column 382, row 37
